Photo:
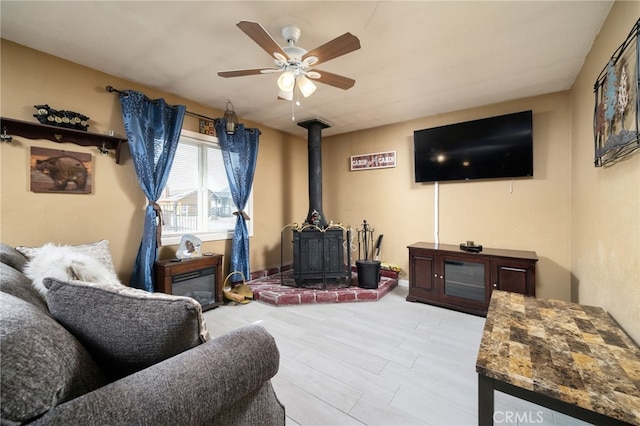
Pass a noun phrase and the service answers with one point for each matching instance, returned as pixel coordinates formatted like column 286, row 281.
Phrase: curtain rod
column 112, row 89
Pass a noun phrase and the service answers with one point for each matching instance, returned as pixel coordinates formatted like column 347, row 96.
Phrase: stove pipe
column 314, row 140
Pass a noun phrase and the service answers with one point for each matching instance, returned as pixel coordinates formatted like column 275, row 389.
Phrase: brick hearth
column 269, row 289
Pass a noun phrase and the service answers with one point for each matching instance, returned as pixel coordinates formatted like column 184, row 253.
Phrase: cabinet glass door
column 464, row 280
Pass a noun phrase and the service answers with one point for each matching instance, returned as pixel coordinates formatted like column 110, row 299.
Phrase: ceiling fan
column 294, row 62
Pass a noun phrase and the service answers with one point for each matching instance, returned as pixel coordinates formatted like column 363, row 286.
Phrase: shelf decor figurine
column 69, row 119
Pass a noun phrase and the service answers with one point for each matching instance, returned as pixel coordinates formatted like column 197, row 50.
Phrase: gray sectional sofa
column 86, row 354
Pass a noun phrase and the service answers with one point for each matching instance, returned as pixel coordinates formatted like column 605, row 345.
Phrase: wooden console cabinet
column 191, row 273
column 446, row 276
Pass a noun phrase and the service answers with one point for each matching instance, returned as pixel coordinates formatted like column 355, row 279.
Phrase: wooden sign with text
column 376, row 160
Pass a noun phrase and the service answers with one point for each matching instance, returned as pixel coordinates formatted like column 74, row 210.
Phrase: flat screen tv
column 489, row 148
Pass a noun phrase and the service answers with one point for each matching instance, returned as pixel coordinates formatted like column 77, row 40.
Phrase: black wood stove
column 318, row 254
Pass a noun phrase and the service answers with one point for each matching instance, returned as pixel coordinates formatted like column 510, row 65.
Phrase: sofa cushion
column 12, row 257
column 126, row 329
column 42, row 366
column 66, row 263
column 18, row 285
column 98, row 250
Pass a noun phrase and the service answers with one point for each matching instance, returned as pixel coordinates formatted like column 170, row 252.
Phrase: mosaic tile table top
column 574, row 353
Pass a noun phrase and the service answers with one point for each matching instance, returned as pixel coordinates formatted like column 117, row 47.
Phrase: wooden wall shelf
column 31, row 130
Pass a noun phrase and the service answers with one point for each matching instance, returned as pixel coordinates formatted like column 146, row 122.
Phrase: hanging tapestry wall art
column 616, row 118
column 54, row 170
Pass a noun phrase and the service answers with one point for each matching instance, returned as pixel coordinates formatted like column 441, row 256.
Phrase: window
column 197, row 199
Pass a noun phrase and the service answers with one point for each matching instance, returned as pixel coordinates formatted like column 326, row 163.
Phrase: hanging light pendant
column 286, row 95
column 286, row 81
column 306, row 86
column 232, row 119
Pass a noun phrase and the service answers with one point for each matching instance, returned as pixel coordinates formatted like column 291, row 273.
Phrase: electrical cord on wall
column 436, row 218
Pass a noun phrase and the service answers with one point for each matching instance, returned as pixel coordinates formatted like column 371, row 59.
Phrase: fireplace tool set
column 369, row 267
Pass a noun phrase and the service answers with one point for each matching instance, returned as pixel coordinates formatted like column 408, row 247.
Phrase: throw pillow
column 12, row 257
column 43, row 365
column 126, row 329
column 65, row 263
column 98, row 250
column 18, row 285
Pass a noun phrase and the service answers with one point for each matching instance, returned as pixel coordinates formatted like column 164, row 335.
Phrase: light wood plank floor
column 390, row 362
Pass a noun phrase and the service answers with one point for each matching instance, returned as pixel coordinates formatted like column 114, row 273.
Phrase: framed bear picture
column 54, row 170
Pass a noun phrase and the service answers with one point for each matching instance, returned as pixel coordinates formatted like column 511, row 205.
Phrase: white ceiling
column 418, row 58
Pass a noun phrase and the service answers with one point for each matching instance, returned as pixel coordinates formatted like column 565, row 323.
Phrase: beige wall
column 605, row 206
column 115, row 209
column 524, row 214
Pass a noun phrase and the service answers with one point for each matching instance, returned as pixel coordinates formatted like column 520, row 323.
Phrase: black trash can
column 368, row 273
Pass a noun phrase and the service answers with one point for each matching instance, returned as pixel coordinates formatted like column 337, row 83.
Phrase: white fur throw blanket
column 64, row 263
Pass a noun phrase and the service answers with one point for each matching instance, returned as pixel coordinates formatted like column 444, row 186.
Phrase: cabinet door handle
column 507, row 268
column 495, row 285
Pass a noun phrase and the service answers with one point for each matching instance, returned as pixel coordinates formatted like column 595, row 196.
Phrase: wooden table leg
column 485, row 400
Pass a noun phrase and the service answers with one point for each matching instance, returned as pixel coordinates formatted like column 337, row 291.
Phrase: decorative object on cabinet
column 443, row 275
column 54, row 170
column 69, row 119
column 30, row 130
column 471, row 246
column 616, row 118
column 189, row 247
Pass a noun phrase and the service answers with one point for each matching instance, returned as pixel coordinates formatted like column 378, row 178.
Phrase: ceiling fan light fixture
column 287, row 81
column 306, row 86
column 232, row 119
column 286, row 95
column 294, row 61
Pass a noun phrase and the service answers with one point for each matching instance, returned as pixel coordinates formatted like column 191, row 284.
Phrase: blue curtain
column 153, row 129
column 240, row 154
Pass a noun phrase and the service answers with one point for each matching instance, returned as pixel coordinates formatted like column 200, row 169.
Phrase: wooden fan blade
column 240, row 73
column 339, row 46
column 261, row 37
column 335, row 80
